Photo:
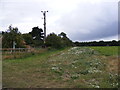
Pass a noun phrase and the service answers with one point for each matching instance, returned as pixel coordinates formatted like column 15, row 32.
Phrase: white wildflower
column 97, row 86
column 75, row 67
column 54, row 68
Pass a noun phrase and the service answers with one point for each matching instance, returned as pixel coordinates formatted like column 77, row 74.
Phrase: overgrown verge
column 77, row 67
column 85, row 67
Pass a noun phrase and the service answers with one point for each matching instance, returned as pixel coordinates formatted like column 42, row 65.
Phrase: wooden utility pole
column 44, row 14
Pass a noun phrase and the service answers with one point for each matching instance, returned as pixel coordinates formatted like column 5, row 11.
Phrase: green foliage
column 37, row 33
column 53, row 41
column 10, row 36
column 59, row 41
column 37, row 43
column 37, row 36
column 65, row 40
column 98, row 43
column 28, row 38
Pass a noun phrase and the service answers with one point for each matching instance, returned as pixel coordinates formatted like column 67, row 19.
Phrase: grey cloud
column 103, row 32
column 90, row 22
column 86, row 21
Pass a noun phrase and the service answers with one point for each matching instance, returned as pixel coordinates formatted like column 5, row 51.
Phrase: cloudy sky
column 81, row 20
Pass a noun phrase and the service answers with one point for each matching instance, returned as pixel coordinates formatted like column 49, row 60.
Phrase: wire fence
column 10, row 53
column 16, row 50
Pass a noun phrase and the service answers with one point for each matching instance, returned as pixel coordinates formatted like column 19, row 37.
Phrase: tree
column 53, row 41
column 37, row 36
column 37, row 33
column 28, row 38
column 77, row 43
column 62, row 34
column 66, row 42
column 10, row 36
column 119, row 43
column 59, row 41
column 114, row 43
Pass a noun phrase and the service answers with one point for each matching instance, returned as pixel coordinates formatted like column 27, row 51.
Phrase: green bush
column 53, row 41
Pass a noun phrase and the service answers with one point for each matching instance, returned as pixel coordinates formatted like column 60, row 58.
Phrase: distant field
column 107, row 50
column 76, row 67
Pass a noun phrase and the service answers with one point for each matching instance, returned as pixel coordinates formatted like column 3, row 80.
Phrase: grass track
column 78, row 67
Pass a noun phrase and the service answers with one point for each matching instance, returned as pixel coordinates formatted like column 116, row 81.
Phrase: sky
column 81, row 20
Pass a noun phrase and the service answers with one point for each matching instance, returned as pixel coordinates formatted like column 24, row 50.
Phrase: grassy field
column 107, row 50
column 76, row 67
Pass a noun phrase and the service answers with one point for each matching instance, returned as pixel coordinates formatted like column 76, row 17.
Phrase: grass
column 77, row 67
column 107, row 50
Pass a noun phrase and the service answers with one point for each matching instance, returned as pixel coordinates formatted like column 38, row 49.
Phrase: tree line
column 34, row 39
column 99, row 43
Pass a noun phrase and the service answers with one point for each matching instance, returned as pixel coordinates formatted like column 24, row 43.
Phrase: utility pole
column 44, row 14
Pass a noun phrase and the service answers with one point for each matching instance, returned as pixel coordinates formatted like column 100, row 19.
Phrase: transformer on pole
column 44, row 14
